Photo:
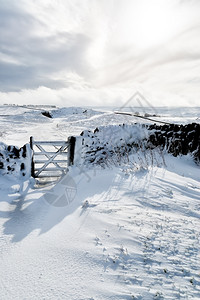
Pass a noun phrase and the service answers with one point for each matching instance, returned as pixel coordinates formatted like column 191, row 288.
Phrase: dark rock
column 96, row 130
column 47, row 114
column 10, row 169
column 22, row 166
column 15, row 152
column 24, row 150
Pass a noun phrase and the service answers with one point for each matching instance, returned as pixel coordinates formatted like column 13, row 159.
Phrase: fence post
column 72, row 142
column 32, row 161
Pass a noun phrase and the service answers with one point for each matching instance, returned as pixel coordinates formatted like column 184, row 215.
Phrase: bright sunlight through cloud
column 100, row 50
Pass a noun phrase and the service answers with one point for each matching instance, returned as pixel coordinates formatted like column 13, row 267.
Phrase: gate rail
column 54, row 162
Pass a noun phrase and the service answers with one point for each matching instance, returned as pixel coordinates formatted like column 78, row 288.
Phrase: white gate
column 51, row 158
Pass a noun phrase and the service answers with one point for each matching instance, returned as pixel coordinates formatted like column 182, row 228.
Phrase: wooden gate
column 51, row 158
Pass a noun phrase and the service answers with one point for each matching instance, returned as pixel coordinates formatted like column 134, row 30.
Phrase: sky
column 100, row 52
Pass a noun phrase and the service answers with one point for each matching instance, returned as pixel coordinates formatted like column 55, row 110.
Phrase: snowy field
column 129, row 233
column 17, row 124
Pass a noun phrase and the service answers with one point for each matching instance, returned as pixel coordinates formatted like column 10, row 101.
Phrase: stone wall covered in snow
column 15, row 161
column 106, row 141
column 177, row 139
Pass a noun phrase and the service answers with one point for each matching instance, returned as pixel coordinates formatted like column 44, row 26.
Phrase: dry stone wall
column 15, row 161
column 104, row 142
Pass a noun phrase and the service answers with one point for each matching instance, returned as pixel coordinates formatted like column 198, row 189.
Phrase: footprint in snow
column 86, row 204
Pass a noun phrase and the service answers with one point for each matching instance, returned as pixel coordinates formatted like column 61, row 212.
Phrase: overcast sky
column 99, row 52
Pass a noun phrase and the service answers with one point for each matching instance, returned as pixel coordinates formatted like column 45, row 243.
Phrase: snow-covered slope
column 125, row 236
column 119, row 233
column 28, row 122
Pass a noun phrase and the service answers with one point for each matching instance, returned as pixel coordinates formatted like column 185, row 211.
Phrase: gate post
column 71, row 141
column 32, row 161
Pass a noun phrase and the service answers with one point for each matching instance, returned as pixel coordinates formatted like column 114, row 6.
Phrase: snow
column 122, row 233
column 71, row 121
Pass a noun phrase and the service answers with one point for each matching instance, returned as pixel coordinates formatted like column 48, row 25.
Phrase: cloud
column 40, row 58
column 28, row 60
column 71, row 96
column 92, row 50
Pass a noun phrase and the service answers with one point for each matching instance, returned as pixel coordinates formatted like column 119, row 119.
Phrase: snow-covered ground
column 17, row 124
column 119, row 233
